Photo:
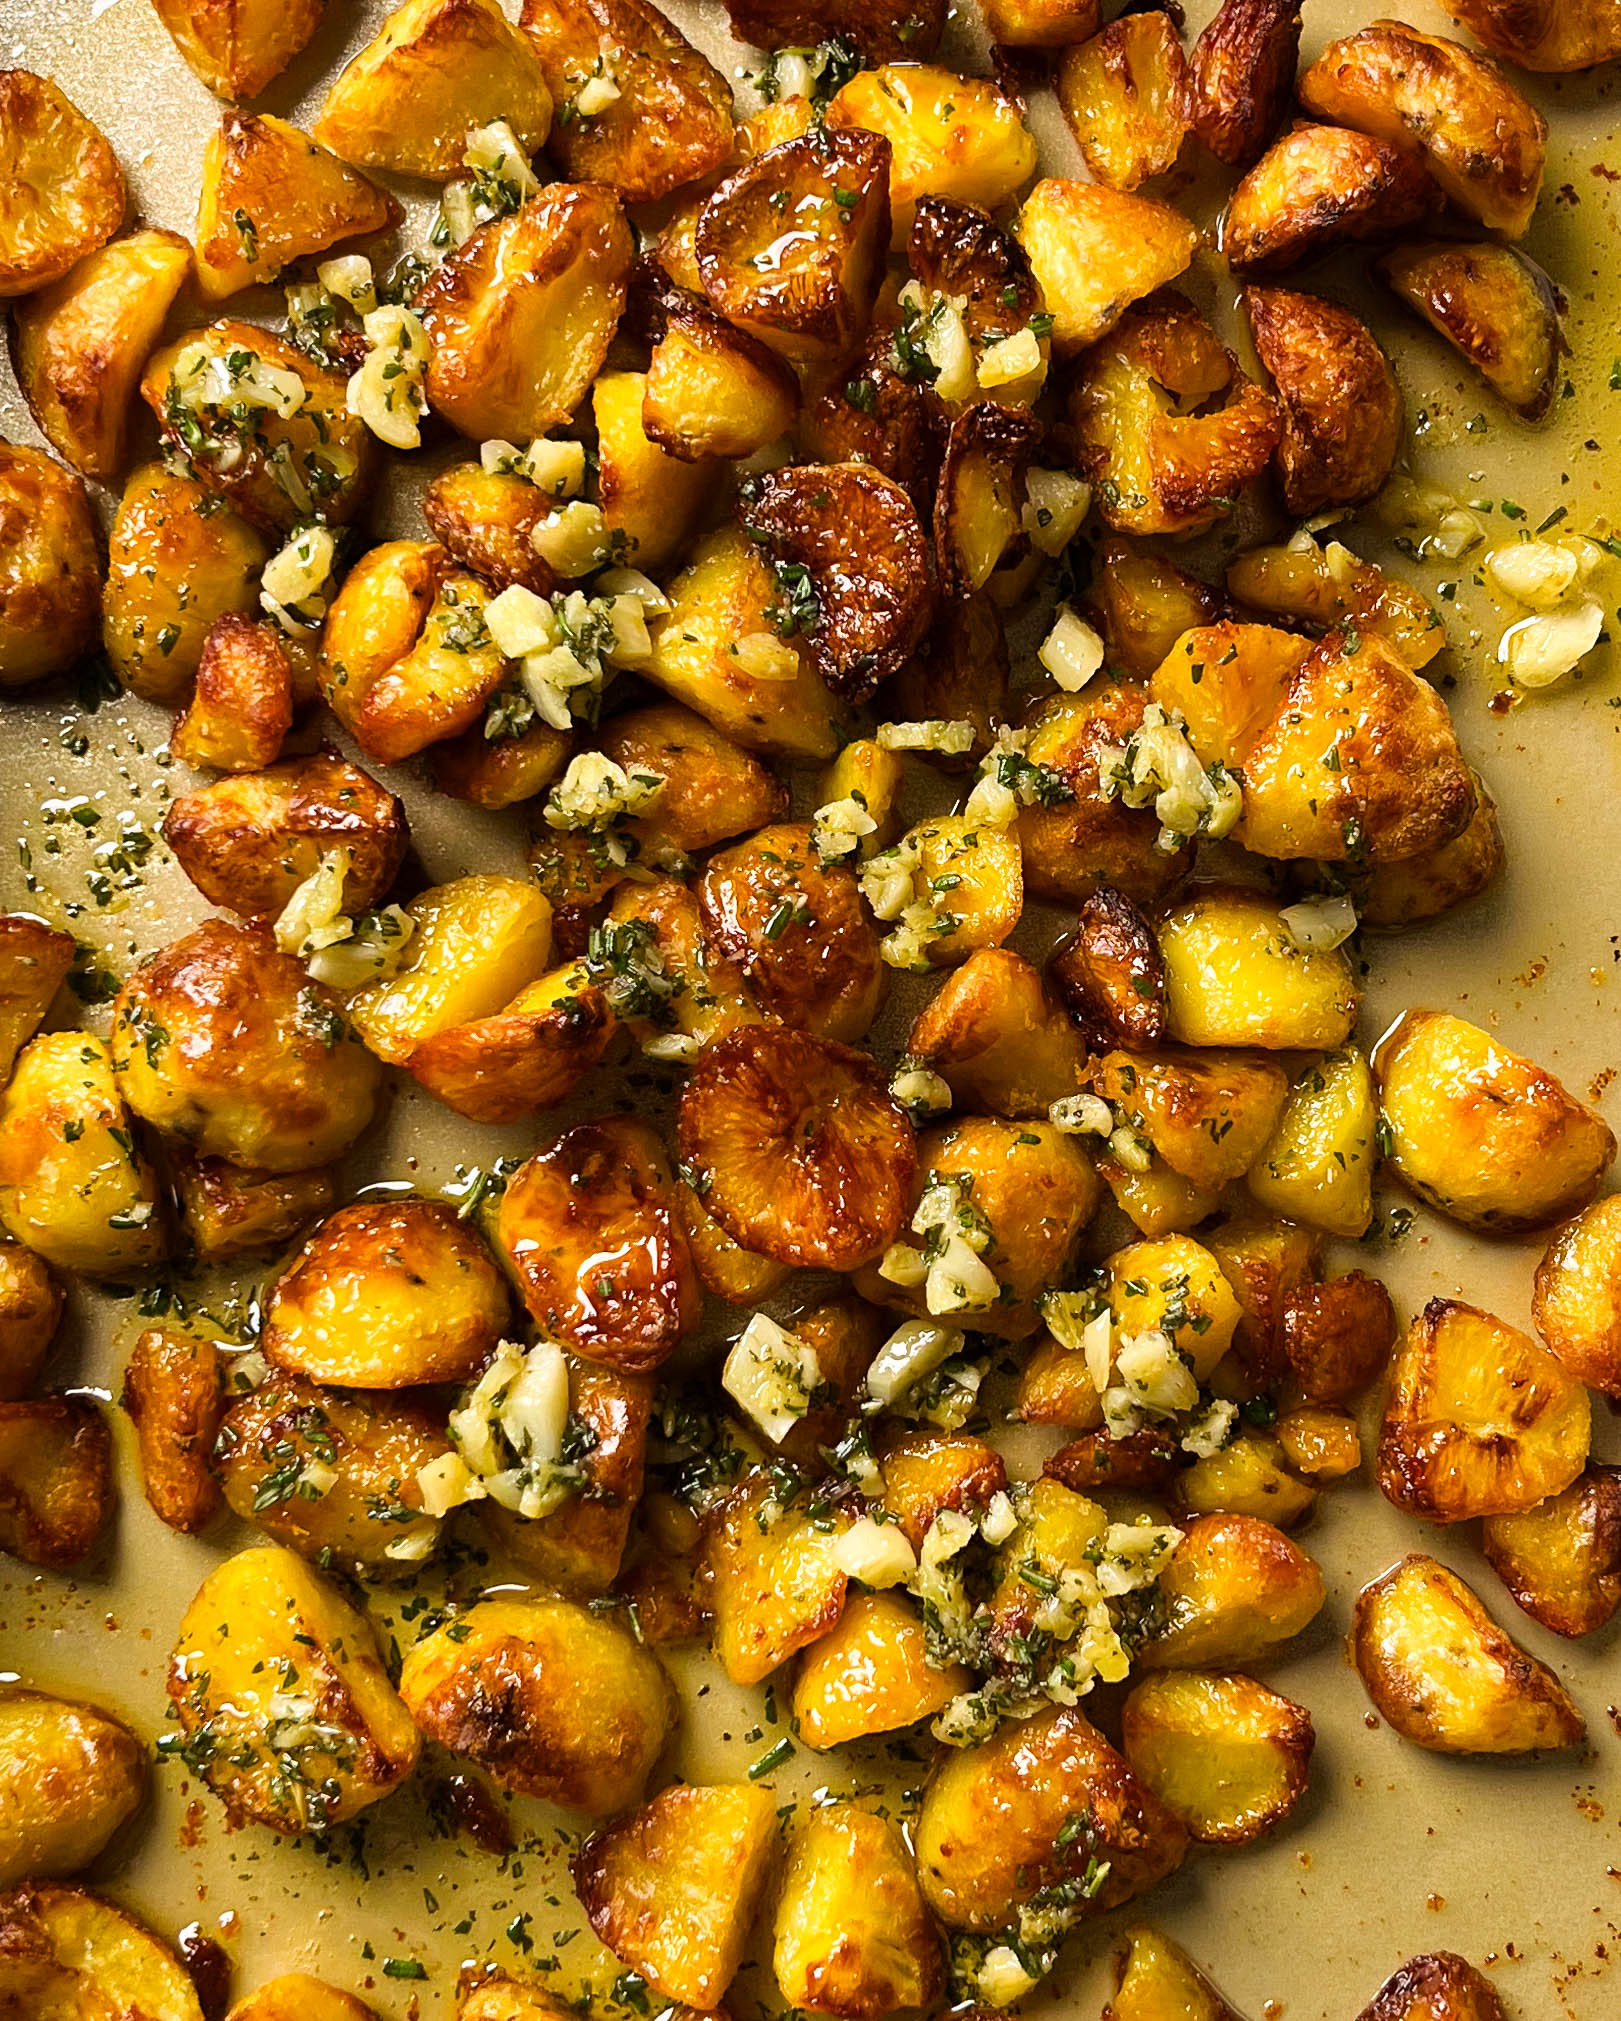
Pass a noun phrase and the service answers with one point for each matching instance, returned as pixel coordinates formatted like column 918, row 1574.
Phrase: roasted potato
column 997, row 1039
column 853, row 1938
column 1329, row 586
column 893, row 29
column 31, row 1299
column 284, row 1705
column 951, row 884
column 770, row 1581
column 1223, row 1754
column 485, row 518
column 1316, row 188
column 1242, row 76
column 34, row 962
column 713, row 789
column 1234, row 1589
column 870, row 1673
column 959, row 250
column 873, row 413
column 929, row 1472
column 712, row 389
column 527, row 1057
column 227, row 1211
column 1145, row 604
column 1157, row 1201
column 1320, row 1443
column 521, row 315
column 1576, row 1300
column 979, row 506
column 173, row 1393
column 1039, row 24
column 65, row 191
column 1445, row 1676
column 997, row 1823
column 1396, row 895
column 1249, row 1476
column 237, row 49
column 1094, row 251
column 1056, row 1388
column 1480, row 138
column 651, row 501
column 1126, row 96
column 71, row 1774
column 1108, row 972
column 178, row 560
column 502, row 1685
column 1342, row 408
column 660, row 1575
column 1336, row 1337
column 1208, row 1113
column 1266, row 1263
column 1440, row 1986
column 68, row 1952
column 56, row 1479
column 1172, row 1285
column 1234, row 977
column 76, row 1185
column 1498, row 310
column 1481, row 1420
column 295, row 1996
column 437, row 69
column 387, row 1294
column 1155, row 1980
column 503, row 773
column 1142, row 1462
column 725, row 1268
column 1317, row 1165
column 1228, row 682
column 1562, row 1560
column 948, row 136
column 48, row 565
column 1485, row 1135
column 672, row 1889
column 242, row 706
column 1542, row 35
column 705, row 993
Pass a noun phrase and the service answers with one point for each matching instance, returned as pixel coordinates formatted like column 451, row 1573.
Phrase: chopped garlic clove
column 574, row 540
column 1056, row 503
column 1318, row 924
column 875, row 1553
column 1541, row 650
column 773, row 1375
column 1072, row 652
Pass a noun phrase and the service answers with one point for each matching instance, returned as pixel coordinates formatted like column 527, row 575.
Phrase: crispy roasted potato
column 56, row 1479
column 670, row 120
column 1223, row 1754
column 72, row 1775
column 1445, row 1676
column 174, row 1396
column 1242, row 76
column 996, row 1037
column 1094, row 251
column 485, row 518
column 1126, row 96
column 1143, row 1461
column 1440, row 1986
column 853, row 1938
column 725, row 1268
column 1249, row 1476
column 31, row 1299
column 1234, row 1589
column 1155, row 1980
column 79, row 345
column 64, row 188
column 1316, row 188
column 1173, row 1285
column 1480, row 138
column 1576, row 1300
column 241, row 709
column 928, row 1472
column 998, row 1822
column 1108, row 972
column 1228, row 681
column 1320, row 1443
column 34, row 962
column 873, row 413
column 295, row 1996
column 1562, row 1560
column 1056, row 1388
column 387, row 1294
column 770, row 1581
column 1266, row 1263
column 1485, row 1135
column 712, row 389
column 1208, row 1113
column 76, row 1185
column 871, row 1674
column 503, row 773
column 959, row 250
column 672, row 1889
column 1039, row 24
column 502, row 1685
column 1325, row 587
column 68, row 1952
column 1317, row 1165
column 1336, row 1337
column 228, row 1211
column 1396, row 895
column 284, row 1705
column 1542, row 35
column 521, row 315
column 1497, row 309
column 948, row 136
column 49, row 565
column 237, row 48
column 979, row 506
column 967, row 880
column 527, row 1057
column 436, row 69
column 650, row 500
column 1481, row 1420
column 708, row 993
column 1233, row 977
column 1146, row 603
column 1342, row 408
column 895, row 28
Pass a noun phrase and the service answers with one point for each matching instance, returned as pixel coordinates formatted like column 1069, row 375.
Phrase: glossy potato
column 651, row 501
column 56, row 1479
column 772, row 1586
column 31, row 1299
column 1541, row 34
column 173, row 1395
column 1342, row 408
column 1266, row 1263
column 1108, row 972
column 64, row 189
column 1242, row 75
column 70, row 1775
column 1336, row 1337
column 295, row 1996
column 485, row 519
column 48, row 567
column 1562, row 1560
column 502, row 1685
column 70, row 1953
column 1234, row 1589
column 948, row 136
column 34, row 962
column 1207, row 1113
column 1316, row 188
column 1249, row 1476
column 1156, row 1980
column 1317, row 1165
column 1094, row 251
column 238, row 47
column 1233, row 977
column 997, row 1038
column 504, row 1999
column 1398, row 895
column 1576, row 1299
column 1224, row 1754
column 1125, row 93
column 228, row 1211
column 1440, row 1986
column 711, row 389
column 1496, row 308
column 870, row 1673
column 527, row 1057
column 1173, row 1285
column 241, row 709
column 852, row 1936
column 1328, row 586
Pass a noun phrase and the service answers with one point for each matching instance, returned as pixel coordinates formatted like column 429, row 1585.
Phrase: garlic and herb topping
column 1159, row 768
column 1072, row 652
column 389, row 391
column 773, row 1375
column 295, row 584
column 338, row 950
column 513, row 1439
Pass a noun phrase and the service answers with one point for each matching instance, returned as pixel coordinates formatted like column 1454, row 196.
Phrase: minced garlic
column 1072, row 652
column 773, row 1375
column 388, row 393
column 295, row 581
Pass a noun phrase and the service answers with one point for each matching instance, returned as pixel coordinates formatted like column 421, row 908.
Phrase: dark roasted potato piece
column 993, row 1033
column 1125, row 94
column 895, row 28
column 68, row 1951
column 64, row 188
column 1543, row 35
column 1496, row 308
column 1342, row 407
column 31, row 1299
column 1094, row 251
column 48, row 565
column 34, row 963
column 1445, row 1676
column 229, row 1211
column 485, row 519
column 1207, row 1113
column 1143, row 1462
column 870, row 412
column 501, row 774
column 1562, row 1559
column 175, row 1400
column 928, row 1472
column 236, row 50
column 1155, row 1980
column 1223, row 1754
column 979, row 507
column 1440, row 1986
column 957, row 249
column 1317, row 187
column 527, row 1057
column 1146, row 603
column 242, row 706
column 1576, row 1300
column 1337, row 1336
column 1243, row 76
column 1265, row 1262
column 56, row 1479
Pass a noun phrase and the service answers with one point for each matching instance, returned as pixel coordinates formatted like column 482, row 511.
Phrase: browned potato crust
column 1337, row 1336
column 1576, row 1300
column 485, row 519
column 650, row 499
column 1496, row 308
column 49, row 567
column 64, row 190
column 853, row 1938
column 949, row 135
column 1445, row 1676
column 504, row 774
column 503, row 1999
column 1145, row 604
column 1562, row 1560
column 958, row 674
column 56, row 1479
column 1157, row 1981
column 1126, row 96
column 1440, row 1986
column 1543, row 34
column 174, row 1397
column 34, row 963
column 528, row 1057
column 1265, row 1262
column 997, row 1038
column 1108, row 972
column 893, row 28
column 1207, row 1113
column 1094, row 251
column 1342, row 407
column 1249, row 1476
column 1243, row 76
column 1481, row 139
column 229, row 1211
column 387, row 1294
column 871, row 1674
column 1235, row 1587
column 71, row 1775
column 712, row 788
column 237, row 46
column 959, row 250
column 1321, row 587
column 1038, row 24
column 979, row 506
column 768, row 1578
column 711, row 388
column 1144, row 1461
column 1317, row 187
column 242, row 706
column 1397, row 895
column 1481, row 1420
column 31, row 1299
column 1223, row 1754
column 69, row 1952
column 871, row 413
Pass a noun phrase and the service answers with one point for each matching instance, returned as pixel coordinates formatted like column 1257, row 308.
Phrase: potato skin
column 174, row 1398
column 1562, row 1560
column 65, row 189
column 295, row 1996
column 1482, row 1134
column 853, row 1938
column 237, row 46
column 242, row 706
column 503, row 1684
column 49, row 566
column 1234, row 1588
column 1443, row 1674
column 1543, row 34
column 83, row 1956
column 70, row 1775
column 56, row 1480
column 1224, row 1754
column 31, row 1299
column 1242, row 74
column 1342, row 408
column 1494, row 306
column 1125, row 94
column 1406, row 893
column 1576, row 1298
column 1337, row 1336
column 1440, row 1986
column 1317, row 187
column 387, row 1294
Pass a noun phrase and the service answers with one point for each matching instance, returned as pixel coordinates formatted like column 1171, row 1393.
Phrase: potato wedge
column 1485, row 1135
column 1561, row 1561
column 650, row 500
column 1342, row 408
column 949, row 136
column 526, row 1058
column 1480, row 138
column 34, row 963
column 1094, row 251
column 56, row 1480
column 500, row 774
column 1497, row 309
column 1208, row 1114
column 68, row 1952
column 1336, row 1337
column 31, row 1300
column 1108, row 972
column 1233, row 977
column 174, row 1396
column 1329, row 586
column 236, row 49
column 1440, row 1986
column 1234, row 1589
column 672, row 1889
column 502, row 1684
column 72, row 1775
column 1317, row 1165
column 295, row 1996
column 1443, row 1674
column 712, row 389
column 1316, row 188
column 1056, row 1388
column 1242, row 76
column 853, row 1938
column 1126, row 96
column 48, row 566
column 521, row 315
column 1249, row 1476
column 228, row 1211
column 284, row 1705
column 870, row 1673
column 436, row 69
column 1576, row 1299
column 873, row 413
column 65, row 192
column 1542, row 35
column 1223, row 1754
column 1156, row 1980
column 772, row 1585
column 996, row 1037
column 241, row 709
column 1481, row 1420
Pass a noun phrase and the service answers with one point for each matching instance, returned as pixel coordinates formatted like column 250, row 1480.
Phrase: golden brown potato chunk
column 527, row 1057
column 1125, row 94
column 1543, row 34
column 949, row 136
column 853, row 1938
column 1481, row 1420
column 1159, row 467
column 1320, row 1443
column 1266, row 1263
column 31, row 1301
column 1480, row 138
column 1317, row 187
column 1228, row 681
column 34, row 962
column 1145, row 604
column 650, row 500
column 64, row 190
column 1094, row 251
column 956, row 249
column 1562, row 1559
column 1157, row 1981
column 1317, row 1165
column 242, row 706
column 671, row 120
column 871, row 1674
column 997, row 1039
column 1224, row 1754
column 1243, row 76
column 1497, row 309
column 1342, row 407
column 771, row 1584
column 673, row 1888
column 927, row 1472
column 68, row 1952
column 504, row 1684
column 71, row 1775
column 1485, row 1135
column 485, row 519
column 894, row 28
column 1576, row 1301
column 1397, row 895
column 1208, row 1113
column 872, row 413
column 175, row 1400
column 49, row 567
column 1234, row 977
column 521, row 315
column 295, row 1996
column 228, row 1211
column 1234, row 1589
column 1329, row 586
column 1445, row 1676
column 979, row 506
column 1249, row 1476
column 387, row 1294
column 1108, row 972
column 56, row 1479
column 998, row 1822
column 435, row 70
column 711, row 389
column 1440, row 1986
column 1337, row 1337
column 237, row 46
